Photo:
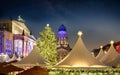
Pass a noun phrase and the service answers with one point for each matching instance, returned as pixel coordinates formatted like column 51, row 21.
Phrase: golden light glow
column 92, row 53
column 16, row 32
column 34, row 44
column 97, row 66
column 79, row 33
column 111, row 42
column 84, row 74
column 105, row 52
column 65, row 66
column 80, row 65
column 101, row 47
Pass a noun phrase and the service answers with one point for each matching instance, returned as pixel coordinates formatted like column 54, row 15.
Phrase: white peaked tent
column 6, row 58
column 14, row 57
column 79, row 57
column 116, row 62
column 34, row 58
column 100, row 54
column 112, row 57
column 19, row 58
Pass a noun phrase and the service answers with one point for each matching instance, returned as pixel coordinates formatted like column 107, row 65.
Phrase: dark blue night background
column 99, row 20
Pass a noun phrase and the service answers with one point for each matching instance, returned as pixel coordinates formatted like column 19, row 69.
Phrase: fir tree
column 47, row 45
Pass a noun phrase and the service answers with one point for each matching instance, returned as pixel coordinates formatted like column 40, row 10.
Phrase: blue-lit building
column 62, row 44
column 15, row 38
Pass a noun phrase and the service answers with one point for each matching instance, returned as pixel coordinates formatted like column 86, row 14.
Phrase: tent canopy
column 79, row 57
column 112, row 57
column 100, row 54
column 34, row 58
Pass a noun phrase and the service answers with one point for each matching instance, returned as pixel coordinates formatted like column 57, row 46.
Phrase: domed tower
column 62, row 45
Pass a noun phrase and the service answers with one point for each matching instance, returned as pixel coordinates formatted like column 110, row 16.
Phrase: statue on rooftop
column 21, row 19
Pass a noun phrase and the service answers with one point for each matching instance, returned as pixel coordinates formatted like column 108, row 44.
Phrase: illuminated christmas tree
column 47, row 45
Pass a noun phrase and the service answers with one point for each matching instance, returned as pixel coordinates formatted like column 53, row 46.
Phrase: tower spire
column 63, row 46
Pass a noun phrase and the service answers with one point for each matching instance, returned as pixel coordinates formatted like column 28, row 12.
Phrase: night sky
column 99, row 20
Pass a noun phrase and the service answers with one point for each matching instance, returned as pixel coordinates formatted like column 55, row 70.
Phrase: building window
column 1, row 43
column 9, row 47
column 18, row 47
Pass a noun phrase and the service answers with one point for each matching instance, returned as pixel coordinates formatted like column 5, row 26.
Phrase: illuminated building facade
column 15, row 38
column 62, row 44
column 6, row 42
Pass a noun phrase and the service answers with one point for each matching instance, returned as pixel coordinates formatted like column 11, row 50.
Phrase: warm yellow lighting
column 16, row 32
column 92, row 53
column 101, row 47
column 111, row 42
column 34, row 44
column 65, row 66
column 97, row 66
column 79, row 33
column 105, row 52
column 84, row 74
column 48, row 25
column 80, row 65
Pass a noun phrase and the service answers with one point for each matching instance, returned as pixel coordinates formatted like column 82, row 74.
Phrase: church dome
column 62, row 33
column 62, row 28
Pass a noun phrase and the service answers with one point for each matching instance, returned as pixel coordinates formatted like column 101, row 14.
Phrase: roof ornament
column 21, row 19
column 101, row 47
column 111, row 42
column 48, row 25
column 80, row 33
